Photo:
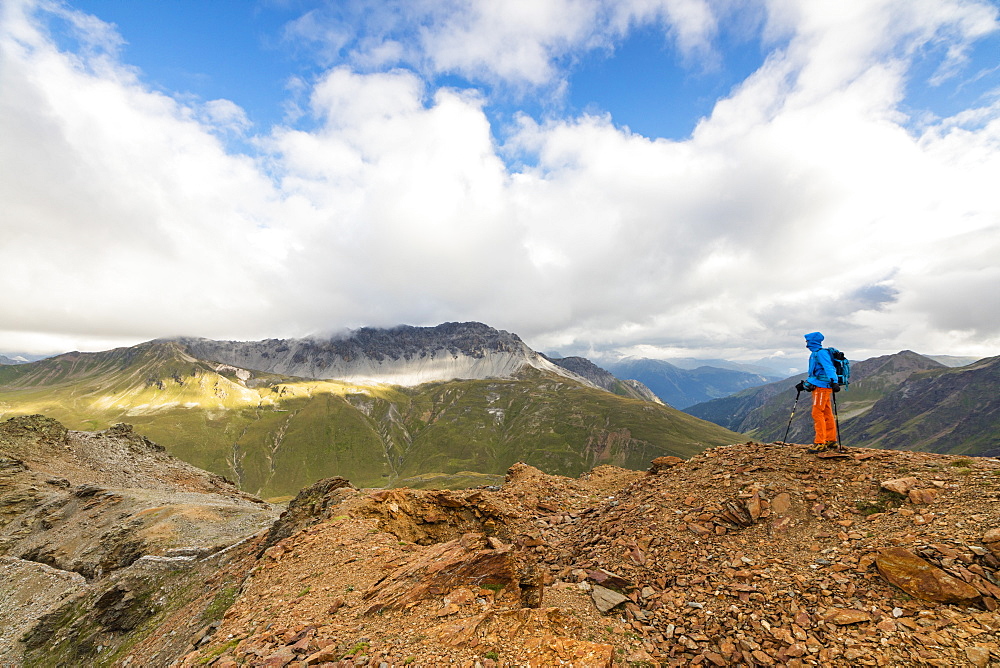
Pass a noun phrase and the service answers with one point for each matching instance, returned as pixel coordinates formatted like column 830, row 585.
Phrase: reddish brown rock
column 552, row 651
column 845, row 616
column 992, row 542
column 280, row 658
column 450, row 565
column 978, row 656
column 715, row 659
column 900, row 485
column 323, row 656
column 922, row 580
column 922, row 496
column 662, row 464
column 781, row 503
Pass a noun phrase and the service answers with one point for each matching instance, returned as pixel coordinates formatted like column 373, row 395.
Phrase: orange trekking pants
column 822, row 412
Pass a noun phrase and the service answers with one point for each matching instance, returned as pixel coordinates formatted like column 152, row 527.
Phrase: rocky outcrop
column 90, row 525
column 313, row 504
column 472, row 562
column 752, row 554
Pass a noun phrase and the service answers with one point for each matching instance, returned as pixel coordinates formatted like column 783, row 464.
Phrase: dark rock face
column 472, row 339
column 31, row 431
column 581, row 366
column 313, row 504
column 402, row 355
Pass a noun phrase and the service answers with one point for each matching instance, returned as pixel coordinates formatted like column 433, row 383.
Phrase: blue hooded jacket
column 821, row 369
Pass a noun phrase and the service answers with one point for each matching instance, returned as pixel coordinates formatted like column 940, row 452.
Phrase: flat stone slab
column 921, row 579
column 605, row 598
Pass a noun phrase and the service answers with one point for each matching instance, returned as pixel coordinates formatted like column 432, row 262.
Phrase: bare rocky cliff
column 401, row 355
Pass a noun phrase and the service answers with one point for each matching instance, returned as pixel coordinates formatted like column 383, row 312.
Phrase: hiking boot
column 819, row 447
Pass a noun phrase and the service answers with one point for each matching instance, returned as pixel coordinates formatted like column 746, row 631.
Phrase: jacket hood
column 814, row 340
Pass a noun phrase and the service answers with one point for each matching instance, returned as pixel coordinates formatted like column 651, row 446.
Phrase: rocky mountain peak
column 402, row 355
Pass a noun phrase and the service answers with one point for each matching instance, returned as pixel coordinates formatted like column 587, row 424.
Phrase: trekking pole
column 794, row 406
column 836, row 420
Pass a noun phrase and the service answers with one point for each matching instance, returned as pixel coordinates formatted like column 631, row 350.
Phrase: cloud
column 122, row 214
column 227, row 115
column 520, row 43
column 806, row 200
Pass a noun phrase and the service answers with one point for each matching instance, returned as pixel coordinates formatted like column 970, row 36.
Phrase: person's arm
column 823, row 357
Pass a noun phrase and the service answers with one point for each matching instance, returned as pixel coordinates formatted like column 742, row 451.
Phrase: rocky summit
column 750, row 554
column 402, row 355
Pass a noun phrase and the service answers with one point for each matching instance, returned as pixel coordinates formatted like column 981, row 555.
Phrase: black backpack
column 842, row 366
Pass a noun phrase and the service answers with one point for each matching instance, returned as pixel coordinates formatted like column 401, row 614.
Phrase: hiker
column 822, row 382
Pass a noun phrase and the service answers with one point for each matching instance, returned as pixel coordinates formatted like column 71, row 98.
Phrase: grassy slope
column 274, row 435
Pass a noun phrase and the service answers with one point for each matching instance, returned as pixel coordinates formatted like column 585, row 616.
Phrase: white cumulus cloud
column 808, row 198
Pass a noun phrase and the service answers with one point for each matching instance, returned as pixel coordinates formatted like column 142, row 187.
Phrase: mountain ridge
column 402, row 355
column 680, row 387
column 603, row 378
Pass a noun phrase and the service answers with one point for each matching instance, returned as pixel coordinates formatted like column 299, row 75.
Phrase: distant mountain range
column 376, row 406
column 602, row 378
column 20, row 358
column 902, row 401
column 770, row 367
column 953, row 360
column 681, row 388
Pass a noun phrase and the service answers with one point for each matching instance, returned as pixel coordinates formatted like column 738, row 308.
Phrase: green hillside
column 274, row 435
column 950, row 410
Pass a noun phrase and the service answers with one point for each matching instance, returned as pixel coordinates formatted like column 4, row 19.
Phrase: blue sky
column 602, row 177
column 239, row 51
